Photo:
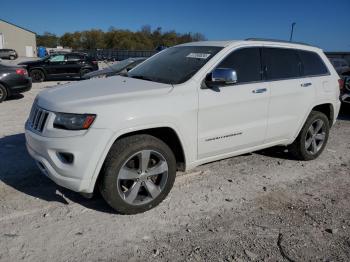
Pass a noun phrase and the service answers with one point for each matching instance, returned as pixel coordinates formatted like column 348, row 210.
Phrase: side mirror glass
column 221, row 76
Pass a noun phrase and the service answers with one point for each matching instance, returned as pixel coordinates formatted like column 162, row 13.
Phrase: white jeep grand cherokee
column 186, row 106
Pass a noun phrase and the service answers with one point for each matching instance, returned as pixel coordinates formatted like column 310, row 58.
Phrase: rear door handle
column 306, row 84
column 259, row 90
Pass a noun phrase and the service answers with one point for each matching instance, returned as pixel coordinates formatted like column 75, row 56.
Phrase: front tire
column 3, row 93
column 84, row 72
column 37, row 75
column 312, row 138
column 138, row 174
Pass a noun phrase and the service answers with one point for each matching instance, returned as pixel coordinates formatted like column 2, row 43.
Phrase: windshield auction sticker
column 198, row 55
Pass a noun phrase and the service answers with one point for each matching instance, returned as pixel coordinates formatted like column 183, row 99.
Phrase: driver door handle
column 259, row 90
column 306, row 84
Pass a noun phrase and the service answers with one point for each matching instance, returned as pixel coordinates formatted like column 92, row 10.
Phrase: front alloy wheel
column 143, row 177
column 138, row 174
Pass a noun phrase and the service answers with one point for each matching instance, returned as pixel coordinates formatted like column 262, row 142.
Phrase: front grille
column 37, row 118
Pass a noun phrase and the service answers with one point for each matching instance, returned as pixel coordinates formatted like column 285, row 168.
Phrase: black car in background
column 60, row 65
column 13, row 80
column 8, row 54
column 116, row 69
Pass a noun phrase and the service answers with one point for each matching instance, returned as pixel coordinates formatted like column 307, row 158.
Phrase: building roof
column 17, row 26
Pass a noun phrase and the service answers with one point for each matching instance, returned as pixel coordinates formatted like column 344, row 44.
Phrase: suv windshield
column 175, row 65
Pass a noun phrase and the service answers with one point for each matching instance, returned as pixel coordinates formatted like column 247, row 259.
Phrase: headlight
column 73, row 121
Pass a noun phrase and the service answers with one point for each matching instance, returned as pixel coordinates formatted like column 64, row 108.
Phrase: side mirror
column 221, row 76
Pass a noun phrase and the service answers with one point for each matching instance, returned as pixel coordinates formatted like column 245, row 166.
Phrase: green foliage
column 144, row 39
column 47, row 40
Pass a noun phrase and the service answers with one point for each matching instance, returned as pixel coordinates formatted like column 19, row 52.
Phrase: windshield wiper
column 143, row 78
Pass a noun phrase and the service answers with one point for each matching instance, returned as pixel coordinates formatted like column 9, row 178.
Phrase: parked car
column 8, row 54
column 345, row 94
column 60, row 65
column 118, row 68
column 185, row 106
column 13, row 80
column 340, row 65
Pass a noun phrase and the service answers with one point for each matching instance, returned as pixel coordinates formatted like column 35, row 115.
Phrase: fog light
column 66, row 158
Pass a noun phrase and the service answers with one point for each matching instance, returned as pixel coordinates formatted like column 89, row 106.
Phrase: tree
column 144, row 39
column 47, row 39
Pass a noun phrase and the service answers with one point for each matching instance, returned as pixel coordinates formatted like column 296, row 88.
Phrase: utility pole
column 291, row 32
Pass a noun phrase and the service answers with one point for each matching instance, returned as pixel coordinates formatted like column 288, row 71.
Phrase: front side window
column 312, row 64
column 174, row 65
column 246, row 62
column 57, row 58
column 281, row 63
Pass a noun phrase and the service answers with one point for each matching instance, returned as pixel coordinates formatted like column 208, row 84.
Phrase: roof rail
column 275, row 40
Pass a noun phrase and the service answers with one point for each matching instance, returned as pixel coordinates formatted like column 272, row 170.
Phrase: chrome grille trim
column 38, row 118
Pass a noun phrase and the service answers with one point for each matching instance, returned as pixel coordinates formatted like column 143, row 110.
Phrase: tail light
column 341, row 83
column 94, row 62
column 21, row 71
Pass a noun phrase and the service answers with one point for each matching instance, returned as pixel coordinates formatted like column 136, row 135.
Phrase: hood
column 83, row 96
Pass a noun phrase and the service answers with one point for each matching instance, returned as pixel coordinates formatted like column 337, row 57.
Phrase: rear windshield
column 175, row 65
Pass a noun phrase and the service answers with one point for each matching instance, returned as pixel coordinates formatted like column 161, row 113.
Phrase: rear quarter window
column 312, row 64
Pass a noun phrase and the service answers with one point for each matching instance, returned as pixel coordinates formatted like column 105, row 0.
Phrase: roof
column 249, row 40
column 17, row 26
column 210, row 43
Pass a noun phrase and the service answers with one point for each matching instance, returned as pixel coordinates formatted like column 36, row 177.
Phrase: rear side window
column 281, row 63
column 246, row 62
column 312, row 64
column 74, row 57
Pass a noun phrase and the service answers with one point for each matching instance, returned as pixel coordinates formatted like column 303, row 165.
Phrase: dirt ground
column 262, row 206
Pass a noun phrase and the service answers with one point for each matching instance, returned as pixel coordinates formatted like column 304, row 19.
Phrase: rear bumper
column 19, row 86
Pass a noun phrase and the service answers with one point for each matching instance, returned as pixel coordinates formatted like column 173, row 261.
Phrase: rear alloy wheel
column 3, row 93
column 138, row 174
column 312, row 138
column 12, row 57
column 37, row 75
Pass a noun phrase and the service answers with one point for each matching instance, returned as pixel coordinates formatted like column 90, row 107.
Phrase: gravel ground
column 262, row 206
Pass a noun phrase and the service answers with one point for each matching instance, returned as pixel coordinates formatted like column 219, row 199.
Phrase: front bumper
column 87, row 150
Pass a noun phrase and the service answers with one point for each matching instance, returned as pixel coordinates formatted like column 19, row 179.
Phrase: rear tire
column 312, row 138
column 138, row 174
column 37, row 75
column 3, row 93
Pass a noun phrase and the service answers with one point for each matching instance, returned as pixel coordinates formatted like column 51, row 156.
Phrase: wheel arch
column 37, row 68
column 6, row 88
column 327, row 108
column 167, row 134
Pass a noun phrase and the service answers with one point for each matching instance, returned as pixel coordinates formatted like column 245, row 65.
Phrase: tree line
column 144, row 39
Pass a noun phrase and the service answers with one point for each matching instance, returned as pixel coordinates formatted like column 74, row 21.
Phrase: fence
column 118, row 55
